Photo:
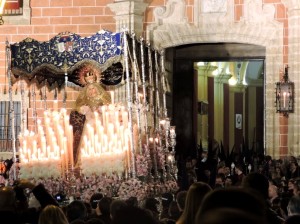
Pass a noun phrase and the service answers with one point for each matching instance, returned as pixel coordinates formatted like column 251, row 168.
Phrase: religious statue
column 93, row 94
column 90, row 98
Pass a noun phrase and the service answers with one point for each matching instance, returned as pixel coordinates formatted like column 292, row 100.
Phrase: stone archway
column 257, row 26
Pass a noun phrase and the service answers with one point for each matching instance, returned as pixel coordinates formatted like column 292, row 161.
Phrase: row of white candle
column 106, row 139
column 52, row 142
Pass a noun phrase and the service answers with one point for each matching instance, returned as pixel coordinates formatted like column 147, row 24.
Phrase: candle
column 69, row 148
column 284, row 96
column 125, row 118
column 112, row 97
column 65, row 150
column 162, row 124
column 55, row 105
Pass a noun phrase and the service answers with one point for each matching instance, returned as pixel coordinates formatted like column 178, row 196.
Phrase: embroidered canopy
column 66, row 54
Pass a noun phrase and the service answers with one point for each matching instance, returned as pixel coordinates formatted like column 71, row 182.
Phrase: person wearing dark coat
column 13, row 203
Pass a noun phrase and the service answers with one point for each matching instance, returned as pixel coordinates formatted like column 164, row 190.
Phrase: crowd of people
column 261, row 191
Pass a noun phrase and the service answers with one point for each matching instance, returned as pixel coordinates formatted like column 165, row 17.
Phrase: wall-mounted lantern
column 285, row 94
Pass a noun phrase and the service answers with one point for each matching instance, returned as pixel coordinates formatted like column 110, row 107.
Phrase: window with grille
column 6, row 133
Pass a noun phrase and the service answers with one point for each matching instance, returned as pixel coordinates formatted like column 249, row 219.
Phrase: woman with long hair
column 194, row 197
column 52, row 214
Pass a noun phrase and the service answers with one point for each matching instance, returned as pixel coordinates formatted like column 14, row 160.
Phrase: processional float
column 125, row 147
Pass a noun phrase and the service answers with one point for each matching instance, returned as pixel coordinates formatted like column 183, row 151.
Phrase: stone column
column 204, row 71
column 129, row 15
column 294, row 73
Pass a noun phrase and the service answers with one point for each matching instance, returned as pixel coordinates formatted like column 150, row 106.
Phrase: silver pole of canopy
column 11, row 109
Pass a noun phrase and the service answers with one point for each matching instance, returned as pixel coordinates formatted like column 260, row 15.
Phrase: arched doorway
column 195, row 86
column 172, row 30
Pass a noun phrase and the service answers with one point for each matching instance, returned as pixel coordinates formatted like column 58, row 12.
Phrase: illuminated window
column 17, row 12
column 13, row 7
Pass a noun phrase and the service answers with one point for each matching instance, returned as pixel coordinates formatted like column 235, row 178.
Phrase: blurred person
column 180, row 199
column 238, row 174
column 231, row 205
column 273, row 192
column 229, row 216
column 174, row 212
column 260, row 183
column 295, row 219
column 194, row 197
column 293, row 207
column 294, row 186
column 152, row 204
column 134, row 215
column 220, row 180
column 52, row 214
column 228, row 181
column 8, row 213
column 89, row 210
column 293, row 171
column 103, row 210
column 132, row 201
column 115, row 207
column 14, row 206
column 76, row 210
column 95, row 198
column 166, row 200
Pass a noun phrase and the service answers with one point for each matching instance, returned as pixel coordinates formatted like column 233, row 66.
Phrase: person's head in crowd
column 115, row 207
column 180, row 199
column 260, row 169
column 228, row 181
column 152, row 204
column 235, row 200
column 257, row 182
column 7, row 199
column 295, row 219
column 132, row 201
column 293, row 166
column 226, row 171
column 278, row 171
column 221, row 167
column 238, row 169
column 290, row 184
column 95, row 198
column 220, row 179
column 260, row 184
column 278, row 163
column 76, row 210
column 294, row 186
column 103, row 207
column 52, row 214
column 134, row 215
column 292, row 159
column 195, row 195
column 293, row 207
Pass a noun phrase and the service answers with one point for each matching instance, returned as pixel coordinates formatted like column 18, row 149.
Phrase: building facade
column 271, row 24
